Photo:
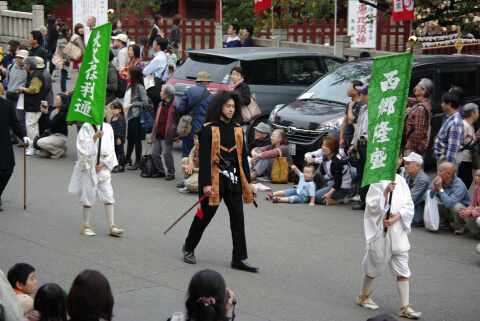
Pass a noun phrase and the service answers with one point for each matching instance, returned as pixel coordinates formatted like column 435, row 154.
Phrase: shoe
column 87, row 230
column 169, row 177
column 355, row 198
column 188, row 256
column 118, row 169
column 114, row 231
column 417, row 224
column 444, row 226
column 30, row 152
column 344, row 200
column 478, row 248
column 58, row 155
column 68, row 78
column 366, row 302
column 181, row 185
column 269, row 196
column 253, row 175
column 128, row 162
column 134, row 167
column 244, row 266
column 358, row 207
column 1, row 205
column 158, row 174
column 460, row 231
column 475, row 236
column 184, row 190
column 276, row 199
column 407, row 312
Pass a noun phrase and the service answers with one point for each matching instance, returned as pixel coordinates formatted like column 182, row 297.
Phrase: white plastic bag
column 20, row 101
column 431, row 217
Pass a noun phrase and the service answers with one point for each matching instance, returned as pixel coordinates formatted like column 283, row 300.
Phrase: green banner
column 88, row 100
column 387, row 101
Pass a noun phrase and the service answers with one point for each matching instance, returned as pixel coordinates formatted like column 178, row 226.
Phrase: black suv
column 320, row 109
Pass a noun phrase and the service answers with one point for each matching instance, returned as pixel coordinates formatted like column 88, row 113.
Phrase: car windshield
column 218, row 67
column 333, row 87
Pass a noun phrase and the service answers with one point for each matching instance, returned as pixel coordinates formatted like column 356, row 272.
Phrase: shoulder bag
column 252, row 111
column 146, row 165
column 73, row 51
column 186, row 122
column 146, row 120
column 279, row 173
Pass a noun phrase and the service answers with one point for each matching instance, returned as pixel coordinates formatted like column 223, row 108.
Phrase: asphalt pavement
column 309, row 257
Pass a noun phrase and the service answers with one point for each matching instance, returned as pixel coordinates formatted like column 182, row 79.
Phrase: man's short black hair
column 37, row 35
column 451, row 98
column 235, row 27
column 19, row 273
column 249, row 29
column 162, row 42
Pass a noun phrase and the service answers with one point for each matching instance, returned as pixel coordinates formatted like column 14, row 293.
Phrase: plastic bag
column 431, row 217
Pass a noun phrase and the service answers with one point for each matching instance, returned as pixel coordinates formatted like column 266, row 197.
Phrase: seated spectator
column 90, row 297
column 418, row 183
column 49, row 304
column 233, row 40
column 263, row 157
column 335, row 172
column 247, row 32
column 12, row 310
column 53, row 142
column 190, row 169
column 304, row 192
column 208, row 298
column 261, row 137
column 470, row 116
column 471, row 214
column 452, row 196
column 164, row 133
column 22, row 279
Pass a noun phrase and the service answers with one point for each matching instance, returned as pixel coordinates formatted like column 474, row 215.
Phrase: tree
column 459, row 13
column 26, row 5
column 130, row 8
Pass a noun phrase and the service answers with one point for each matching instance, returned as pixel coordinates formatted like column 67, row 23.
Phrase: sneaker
column 269, row 196
column 276, row 199
column 181, row 185
column 30, row 152
column 344, row 200
column 460, row 231
column 356, row 198
column 444, row 226
column 184, row 190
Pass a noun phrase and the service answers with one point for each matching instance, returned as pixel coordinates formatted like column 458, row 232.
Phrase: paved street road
column 309, row 258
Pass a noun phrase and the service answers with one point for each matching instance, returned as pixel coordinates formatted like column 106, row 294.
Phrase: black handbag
column 147, row 166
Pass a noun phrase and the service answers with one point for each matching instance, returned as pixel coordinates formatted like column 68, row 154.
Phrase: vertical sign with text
column 363, row 33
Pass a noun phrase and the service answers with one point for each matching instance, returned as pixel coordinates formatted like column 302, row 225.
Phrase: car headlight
column 333, row 124
column 273, row 113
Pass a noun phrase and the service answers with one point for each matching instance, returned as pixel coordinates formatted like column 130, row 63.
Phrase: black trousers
column 234, row 203
column 362, row 151
column 465, row 173
column 5, row 175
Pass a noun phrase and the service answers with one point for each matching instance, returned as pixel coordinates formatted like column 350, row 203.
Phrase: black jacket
column 244, row 91
column 8, row 119
column 32, row 102
column 52, row 41
column 258, row 143
column 248, row 42
column 58, row 125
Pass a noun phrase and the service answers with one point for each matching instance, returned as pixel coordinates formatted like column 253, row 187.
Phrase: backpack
column 121, row 86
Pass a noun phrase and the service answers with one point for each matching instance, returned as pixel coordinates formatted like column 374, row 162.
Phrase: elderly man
column 262, row 137
column 91, row 22
column 122, row 53
column 418, row 183
column 449, row 139
column 164, row 133
column 417, row 118
column 452, row 196
column 34, row 93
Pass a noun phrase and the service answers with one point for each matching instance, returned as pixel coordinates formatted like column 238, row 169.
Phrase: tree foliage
column 26, row 5
column 290, row 12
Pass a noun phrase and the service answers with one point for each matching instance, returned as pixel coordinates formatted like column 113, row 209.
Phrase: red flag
column 262, row 5
column 402, row 10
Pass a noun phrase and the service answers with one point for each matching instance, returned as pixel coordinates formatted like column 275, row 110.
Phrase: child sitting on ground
column 304, row 190
column 22, row 279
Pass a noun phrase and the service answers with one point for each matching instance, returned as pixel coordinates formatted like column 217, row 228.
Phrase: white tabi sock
column 404, row 292
column 109, row 213
column 366, row 284
column 86, row 215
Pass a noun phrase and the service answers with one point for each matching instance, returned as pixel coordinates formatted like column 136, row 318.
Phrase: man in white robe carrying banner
column 91, row 177
column 385, row 233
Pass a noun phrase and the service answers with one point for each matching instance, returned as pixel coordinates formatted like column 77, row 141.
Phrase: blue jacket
column 188, row 101
column 454, row 193
column 419, row 187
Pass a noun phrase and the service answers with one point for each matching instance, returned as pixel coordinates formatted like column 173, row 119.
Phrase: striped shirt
column 449, row 139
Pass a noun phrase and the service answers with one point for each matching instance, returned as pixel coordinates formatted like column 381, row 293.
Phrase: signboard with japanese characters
column 82, row 9
column 387, row 100
column 88, row 99
column 361, row 25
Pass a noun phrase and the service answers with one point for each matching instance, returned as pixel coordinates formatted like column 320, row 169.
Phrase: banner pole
column 273, row 41
column 99, row 146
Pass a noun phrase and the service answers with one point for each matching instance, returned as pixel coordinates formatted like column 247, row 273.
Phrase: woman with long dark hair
column 135, row 97
column 49, row 304
column 61, row 44
column 208, row 299
column 78, row 39
column 52, row 41
column 135, row 60
column 230, row 180
column 90, row 297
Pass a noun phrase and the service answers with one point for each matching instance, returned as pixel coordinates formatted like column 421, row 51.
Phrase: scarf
column 232, row 86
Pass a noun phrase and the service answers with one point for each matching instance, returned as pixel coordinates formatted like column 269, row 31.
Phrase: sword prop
column 199, row 201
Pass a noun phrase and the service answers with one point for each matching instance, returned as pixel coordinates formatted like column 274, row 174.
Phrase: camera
column 349, row 159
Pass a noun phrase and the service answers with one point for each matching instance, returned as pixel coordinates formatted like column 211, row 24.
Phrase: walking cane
column 200, row 200
column 24, row 176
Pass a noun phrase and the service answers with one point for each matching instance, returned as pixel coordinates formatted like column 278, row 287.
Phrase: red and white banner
column 262, row 5
column 402, row 10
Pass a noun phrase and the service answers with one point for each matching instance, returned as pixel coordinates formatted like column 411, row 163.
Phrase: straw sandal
column 87, row 230
column 115, row 231
column 407, row 312
column 366, row 302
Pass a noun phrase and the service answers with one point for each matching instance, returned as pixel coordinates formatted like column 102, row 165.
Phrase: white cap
column 122, row 37
column 414, row 157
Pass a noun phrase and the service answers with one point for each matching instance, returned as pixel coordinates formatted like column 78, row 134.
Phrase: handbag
column 185, row 123
column 73, row 51
column 58, row 61
column 279, row 173
column 146, row 165
column 431, row 217
column 252, row 111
